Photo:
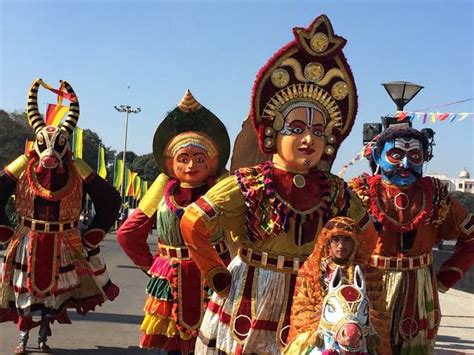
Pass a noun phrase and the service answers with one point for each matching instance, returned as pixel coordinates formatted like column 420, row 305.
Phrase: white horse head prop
column 344, row 323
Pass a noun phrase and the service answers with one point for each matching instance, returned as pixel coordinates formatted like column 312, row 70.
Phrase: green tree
column 129, row 157
column 146, row 167
column 14, row 131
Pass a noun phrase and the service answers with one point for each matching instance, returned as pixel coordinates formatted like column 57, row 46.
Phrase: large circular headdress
column 34, row 117
column 310, row 70
column 193, row 118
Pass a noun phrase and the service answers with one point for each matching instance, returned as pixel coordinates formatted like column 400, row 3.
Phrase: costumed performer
column 304, row 104
column 49, row 266
column 338, row 246
column 191, row 146
column 414, row 213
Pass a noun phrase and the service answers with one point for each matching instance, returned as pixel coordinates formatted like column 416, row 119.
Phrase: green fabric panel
column 167, row 226
column 429, row 306
column 159, row 288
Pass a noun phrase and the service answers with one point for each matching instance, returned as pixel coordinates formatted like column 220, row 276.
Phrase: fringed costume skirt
column 412, row 298
column 175, row 305
column 255, row 316
column 47, row 273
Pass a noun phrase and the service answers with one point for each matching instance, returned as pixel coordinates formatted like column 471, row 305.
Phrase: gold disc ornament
column 299, row 181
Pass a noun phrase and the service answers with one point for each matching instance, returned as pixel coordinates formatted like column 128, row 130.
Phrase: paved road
column 114, row 328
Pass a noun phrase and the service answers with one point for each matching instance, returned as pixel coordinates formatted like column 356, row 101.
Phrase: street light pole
column 128, row 110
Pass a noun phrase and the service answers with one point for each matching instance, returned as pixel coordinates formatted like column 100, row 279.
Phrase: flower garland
column 267, row 210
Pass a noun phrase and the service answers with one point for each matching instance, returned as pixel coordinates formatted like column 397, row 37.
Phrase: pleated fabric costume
column 272, row 213
column 49, row 266
column 176, row 292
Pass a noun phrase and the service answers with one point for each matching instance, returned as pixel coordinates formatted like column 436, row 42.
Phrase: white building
column 462, row 183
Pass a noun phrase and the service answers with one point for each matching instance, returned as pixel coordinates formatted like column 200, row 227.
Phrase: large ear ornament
column 359, row 280
column 336, row 279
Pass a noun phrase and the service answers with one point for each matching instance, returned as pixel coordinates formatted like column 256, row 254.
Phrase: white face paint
column 310, row 112
column 407, row 144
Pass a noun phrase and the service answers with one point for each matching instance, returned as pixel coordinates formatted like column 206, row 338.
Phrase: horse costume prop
column 344, row 323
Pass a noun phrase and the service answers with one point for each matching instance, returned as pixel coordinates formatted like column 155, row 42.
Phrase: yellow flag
column 101, row 169
column 77, row 143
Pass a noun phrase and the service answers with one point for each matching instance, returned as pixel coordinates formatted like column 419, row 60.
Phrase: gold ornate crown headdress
column 309, row 71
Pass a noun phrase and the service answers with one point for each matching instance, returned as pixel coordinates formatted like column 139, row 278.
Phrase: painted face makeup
column 401, row 161
column 341, row 247
column 51, row 145
column 300, row 143
column 192, row 165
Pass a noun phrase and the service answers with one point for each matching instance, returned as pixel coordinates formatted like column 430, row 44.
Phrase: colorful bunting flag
column 433, row 116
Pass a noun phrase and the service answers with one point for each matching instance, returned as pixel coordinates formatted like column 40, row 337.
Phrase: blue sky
column 215, row 48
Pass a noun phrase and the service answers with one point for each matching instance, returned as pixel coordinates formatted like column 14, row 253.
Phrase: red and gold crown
column 309, row 70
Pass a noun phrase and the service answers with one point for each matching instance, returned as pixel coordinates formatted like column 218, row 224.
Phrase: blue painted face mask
column 401, row 161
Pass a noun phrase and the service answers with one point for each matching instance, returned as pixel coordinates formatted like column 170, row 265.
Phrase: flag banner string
column 432, row 117
column 356, row 158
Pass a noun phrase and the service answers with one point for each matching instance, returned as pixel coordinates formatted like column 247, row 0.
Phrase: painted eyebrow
column 183, row 154
column 198, row 153
column 297, row 121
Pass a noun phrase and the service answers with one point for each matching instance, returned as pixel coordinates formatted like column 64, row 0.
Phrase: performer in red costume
column 49, row 266
column 303, row 106
column 414, row 214
column 191, row 147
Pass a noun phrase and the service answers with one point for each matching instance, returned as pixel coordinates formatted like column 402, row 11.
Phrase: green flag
column 144, row 188
column 77, row 143
column 137, row 187
column 118, row 173
column 101, row 169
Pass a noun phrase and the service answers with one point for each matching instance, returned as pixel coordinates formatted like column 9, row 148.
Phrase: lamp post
column 402, row 92
column 128, row 110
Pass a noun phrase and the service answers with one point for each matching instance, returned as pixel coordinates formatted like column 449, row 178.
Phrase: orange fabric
column 196, row 234
column 156, row 306
column 309, row 294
